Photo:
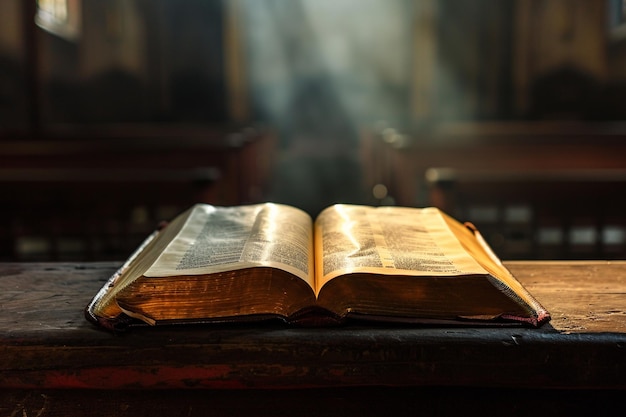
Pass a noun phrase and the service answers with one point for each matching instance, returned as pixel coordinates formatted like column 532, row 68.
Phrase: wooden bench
column 549, row 214
column 94, row 194
column 54, row 362
column 398, row 158
column 511, row 178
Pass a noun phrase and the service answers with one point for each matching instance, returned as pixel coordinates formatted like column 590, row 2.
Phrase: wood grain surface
column 46, row 342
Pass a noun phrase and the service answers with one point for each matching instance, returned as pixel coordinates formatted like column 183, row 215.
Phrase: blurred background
column 117, row 114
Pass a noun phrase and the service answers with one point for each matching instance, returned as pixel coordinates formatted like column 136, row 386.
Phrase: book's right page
column 388, row 241
column 398, row 263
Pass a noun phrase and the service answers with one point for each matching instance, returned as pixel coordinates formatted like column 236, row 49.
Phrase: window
column 60, row 17
column 617, row 18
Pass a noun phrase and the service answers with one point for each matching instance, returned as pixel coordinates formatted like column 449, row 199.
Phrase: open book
column 396, row 264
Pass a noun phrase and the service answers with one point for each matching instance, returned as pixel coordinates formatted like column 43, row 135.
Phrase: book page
column 389, row 241
column 219, row 239
column 475, row 244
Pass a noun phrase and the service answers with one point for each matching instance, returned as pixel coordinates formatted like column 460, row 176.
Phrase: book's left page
column 218, row 239
column 215, row 263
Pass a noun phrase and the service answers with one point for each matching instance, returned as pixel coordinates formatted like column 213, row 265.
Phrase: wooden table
column 53, row 362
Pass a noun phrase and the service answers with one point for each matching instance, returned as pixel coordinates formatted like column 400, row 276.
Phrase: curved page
column 388, row 241
column 219, row 239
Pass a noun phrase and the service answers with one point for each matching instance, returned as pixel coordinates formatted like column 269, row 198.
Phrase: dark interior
column 116, row 115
